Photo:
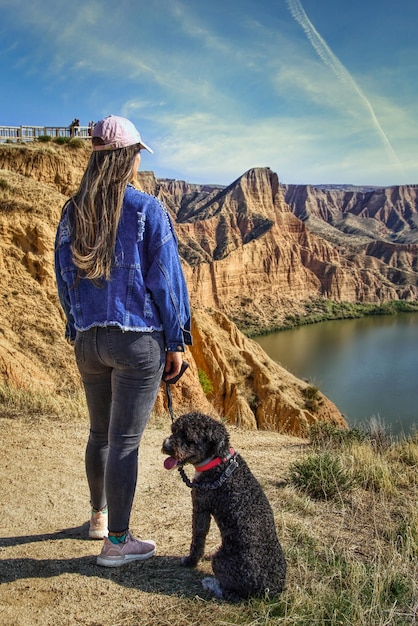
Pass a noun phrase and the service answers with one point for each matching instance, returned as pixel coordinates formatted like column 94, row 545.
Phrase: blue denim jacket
column 147, row 289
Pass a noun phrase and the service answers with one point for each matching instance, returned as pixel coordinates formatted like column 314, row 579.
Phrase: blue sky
column 320, row 91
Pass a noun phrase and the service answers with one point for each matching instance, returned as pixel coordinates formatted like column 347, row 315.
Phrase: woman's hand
column 173, row 362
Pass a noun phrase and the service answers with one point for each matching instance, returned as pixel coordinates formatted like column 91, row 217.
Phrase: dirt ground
column 48, row 572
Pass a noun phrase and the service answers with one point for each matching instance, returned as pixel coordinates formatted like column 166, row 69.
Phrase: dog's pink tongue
column 170, row 463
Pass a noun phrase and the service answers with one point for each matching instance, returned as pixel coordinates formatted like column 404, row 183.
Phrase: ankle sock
column 117, row 538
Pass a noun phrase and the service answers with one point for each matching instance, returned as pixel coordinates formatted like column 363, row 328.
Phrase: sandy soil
column 48, row 573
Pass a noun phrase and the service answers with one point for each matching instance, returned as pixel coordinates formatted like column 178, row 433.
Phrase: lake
column 367, row 367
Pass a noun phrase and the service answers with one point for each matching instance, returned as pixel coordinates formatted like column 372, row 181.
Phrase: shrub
column 321, row 476
column 254, row 402
column 44, row 138
column 325, row 434
column 205, row 382
column 379, row 434
column 313, row 399
column 61, row 140
column 76, row 143
column 4, row 184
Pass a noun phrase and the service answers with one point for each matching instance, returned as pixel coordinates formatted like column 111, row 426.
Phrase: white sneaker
column 98, row 525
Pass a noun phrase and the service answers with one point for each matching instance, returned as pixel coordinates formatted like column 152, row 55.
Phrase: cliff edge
column 248, row 259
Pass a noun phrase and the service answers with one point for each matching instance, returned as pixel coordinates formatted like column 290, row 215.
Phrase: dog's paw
column 188, row 561
column 212, row 584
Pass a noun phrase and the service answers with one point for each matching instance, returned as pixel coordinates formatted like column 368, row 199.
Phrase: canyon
column 254, row 254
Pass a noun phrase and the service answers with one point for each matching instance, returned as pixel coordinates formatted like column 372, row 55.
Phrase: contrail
column 328, row 57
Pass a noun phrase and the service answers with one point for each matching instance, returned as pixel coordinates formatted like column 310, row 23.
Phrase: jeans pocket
column 136, row 350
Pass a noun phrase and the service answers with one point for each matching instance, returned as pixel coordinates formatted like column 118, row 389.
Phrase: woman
column 123, row 291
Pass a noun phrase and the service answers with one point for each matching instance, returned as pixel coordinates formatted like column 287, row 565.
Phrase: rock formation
column 248, row 259
column 249, row 388
column 256, row 257
column 388, row 214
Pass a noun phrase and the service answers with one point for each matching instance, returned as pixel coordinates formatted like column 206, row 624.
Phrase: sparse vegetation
column 313, row 398
column 44, row 138
column 322, row 310
column 378, row 484
column 346, row 516
column 205, row 382
column 191, row 252
column 28, row 403
column 76, row 143
column 62, row 140
column 325, row 435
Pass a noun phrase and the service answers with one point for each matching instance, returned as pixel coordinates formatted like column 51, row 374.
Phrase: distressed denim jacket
column 146, row 290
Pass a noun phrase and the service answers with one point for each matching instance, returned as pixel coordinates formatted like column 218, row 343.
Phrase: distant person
column 72, row 126
column 90, row 129
column 123, row 291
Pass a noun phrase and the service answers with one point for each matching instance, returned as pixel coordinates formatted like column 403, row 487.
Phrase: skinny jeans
column 121, row 373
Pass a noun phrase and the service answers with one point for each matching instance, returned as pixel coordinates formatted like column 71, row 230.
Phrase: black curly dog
column 250, row 561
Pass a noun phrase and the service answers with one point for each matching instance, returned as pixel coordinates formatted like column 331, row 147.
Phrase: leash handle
column 173, row 381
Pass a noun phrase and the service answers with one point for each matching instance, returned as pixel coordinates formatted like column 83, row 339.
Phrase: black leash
column 232, row 462
column 170, row 382
column 169, row 400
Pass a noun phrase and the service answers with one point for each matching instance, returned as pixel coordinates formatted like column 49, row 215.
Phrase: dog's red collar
column 207, row 465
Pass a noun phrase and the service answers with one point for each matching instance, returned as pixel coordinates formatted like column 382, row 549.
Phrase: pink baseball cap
column 117, row 132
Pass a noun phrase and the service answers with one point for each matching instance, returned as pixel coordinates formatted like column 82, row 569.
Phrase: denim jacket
column 146, row 290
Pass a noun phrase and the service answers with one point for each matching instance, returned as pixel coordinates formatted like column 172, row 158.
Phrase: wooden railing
column 30, row 133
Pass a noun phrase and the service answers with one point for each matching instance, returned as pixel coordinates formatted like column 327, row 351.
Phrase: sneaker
column 113, row 555
column 98, row 525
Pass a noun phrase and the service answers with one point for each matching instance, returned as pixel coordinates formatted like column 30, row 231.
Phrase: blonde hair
column 97, row 207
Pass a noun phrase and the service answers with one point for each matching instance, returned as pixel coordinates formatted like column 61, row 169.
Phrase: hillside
column 249, row 238
column 48, row 573
column 383, row 214
column 248, row 388
column 254, row 254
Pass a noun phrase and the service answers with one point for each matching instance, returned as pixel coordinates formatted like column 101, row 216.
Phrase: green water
column 367, row 367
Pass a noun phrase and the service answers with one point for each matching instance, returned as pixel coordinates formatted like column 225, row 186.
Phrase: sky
column 320, row 91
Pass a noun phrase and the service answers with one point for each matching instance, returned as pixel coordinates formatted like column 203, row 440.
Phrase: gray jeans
column 121, row 374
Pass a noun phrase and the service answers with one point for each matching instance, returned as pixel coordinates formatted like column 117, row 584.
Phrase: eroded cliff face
column 389, row 213
column 380, row 223
column 250, row 389
column 247, row 258
column 250, row 256
column 59, row 167
column 33, row 353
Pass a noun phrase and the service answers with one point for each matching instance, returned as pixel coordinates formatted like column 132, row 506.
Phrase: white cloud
column 216, row 99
